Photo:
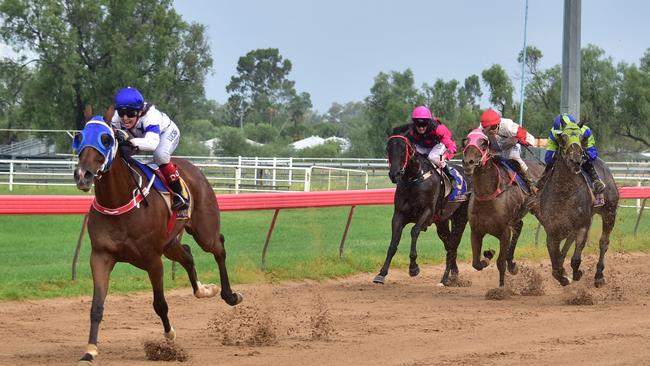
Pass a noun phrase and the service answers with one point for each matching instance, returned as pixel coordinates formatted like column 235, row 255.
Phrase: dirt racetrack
column 351, row 321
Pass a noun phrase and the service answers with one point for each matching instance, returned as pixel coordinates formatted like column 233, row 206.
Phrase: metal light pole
column 571, row 58
column 523, row 71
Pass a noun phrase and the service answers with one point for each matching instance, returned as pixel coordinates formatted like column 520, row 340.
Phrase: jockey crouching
column 433, row 139
column 506, row 137
column 149, row 129
column 590, row 154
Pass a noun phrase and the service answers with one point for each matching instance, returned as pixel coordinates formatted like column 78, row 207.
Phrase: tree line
column 72, row 52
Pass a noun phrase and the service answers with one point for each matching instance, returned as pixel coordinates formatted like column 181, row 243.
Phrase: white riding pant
column 168, row 142
column 435, row 154
column 514, row 153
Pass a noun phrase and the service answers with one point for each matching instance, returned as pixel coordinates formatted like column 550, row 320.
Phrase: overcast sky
column 337, row 47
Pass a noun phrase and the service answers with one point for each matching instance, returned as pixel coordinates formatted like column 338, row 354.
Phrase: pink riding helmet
column 421, row 112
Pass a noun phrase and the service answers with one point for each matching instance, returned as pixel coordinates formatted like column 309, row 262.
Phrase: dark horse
column 497, row 205
column 140, row 235
column 566, row 206
column 420, row 199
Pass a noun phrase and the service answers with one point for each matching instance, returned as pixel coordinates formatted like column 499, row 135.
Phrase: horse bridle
column 410, row 151
column 474, row 136
column 564, row 149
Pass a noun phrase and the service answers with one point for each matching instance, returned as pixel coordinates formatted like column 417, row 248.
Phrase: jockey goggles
column 127, row 112
column 419, row 122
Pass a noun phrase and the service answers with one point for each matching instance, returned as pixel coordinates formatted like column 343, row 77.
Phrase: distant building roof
column 310, row 141
column 313, row 141
column 213, row 144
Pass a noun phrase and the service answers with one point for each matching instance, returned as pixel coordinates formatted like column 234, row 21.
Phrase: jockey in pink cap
column 431, row 138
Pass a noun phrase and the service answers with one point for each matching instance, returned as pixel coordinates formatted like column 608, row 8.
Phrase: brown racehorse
column 566, row 207
column 140, row 235
column 419, row 199
column 497, row 205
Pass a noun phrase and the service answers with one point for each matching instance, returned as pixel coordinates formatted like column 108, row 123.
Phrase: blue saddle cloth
column 461, row 185
column 508, row 166
column 150, row 172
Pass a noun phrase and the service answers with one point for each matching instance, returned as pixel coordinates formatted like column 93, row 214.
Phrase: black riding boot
column 529, row 182
column 178, row 201
column 599, row 186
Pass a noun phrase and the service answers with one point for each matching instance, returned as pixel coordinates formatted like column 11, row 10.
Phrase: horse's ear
column 88, row 112
column 464, row 141
column 483, row 144
column 108, row 116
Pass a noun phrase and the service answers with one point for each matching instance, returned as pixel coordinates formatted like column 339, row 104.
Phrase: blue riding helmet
column 130, row 98
column 564, row 117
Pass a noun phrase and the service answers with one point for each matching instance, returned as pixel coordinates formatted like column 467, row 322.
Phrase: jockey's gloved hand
column 122, row 137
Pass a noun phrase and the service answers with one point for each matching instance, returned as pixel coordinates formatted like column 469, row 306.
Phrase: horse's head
column 571, row 142
column 475, row 150
column 398, row 152
column 96, row 148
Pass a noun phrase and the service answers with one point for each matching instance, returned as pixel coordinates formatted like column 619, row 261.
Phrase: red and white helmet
column 490, row 118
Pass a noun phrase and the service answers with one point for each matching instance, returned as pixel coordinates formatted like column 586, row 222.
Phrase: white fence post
column 275, row 164
column 11, row 176
column 237, row 179
column 638, row 201
column 290, row 171
column 307, row 179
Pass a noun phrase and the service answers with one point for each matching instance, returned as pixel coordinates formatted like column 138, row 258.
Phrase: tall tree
column 542, row 97
column 442, row 98
column 598, row 92
column 500, row 86
column 84, row 50
column 469, row 95
column 261, row 84
column 634, row 102
column 392, row 97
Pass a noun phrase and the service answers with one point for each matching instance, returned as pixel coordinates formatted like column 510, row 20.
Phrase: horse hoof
column 489, row 254
column 238, row 298
column 564, row 281
column 171, row 335
column 513, row 269
column 440, row 284
column 577, row 275
column 379, row 279
column 414, row 271
column 600, row 282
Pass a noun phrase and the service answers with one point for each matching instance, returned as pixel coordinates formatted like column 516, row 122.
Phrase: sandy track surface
column 351, row 321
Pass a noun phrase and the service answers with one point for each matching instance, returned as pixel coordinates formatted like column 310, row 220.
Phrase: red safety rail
column 634, row 192
column 79, row 205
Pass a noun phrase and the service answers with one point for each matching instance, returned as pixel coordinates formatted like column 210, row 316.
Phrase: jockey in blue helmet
column 149, row 129
column 591, row 152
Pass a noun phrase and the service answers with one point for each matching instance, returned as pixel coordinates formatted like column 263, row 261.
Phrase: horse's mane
column 400, row 130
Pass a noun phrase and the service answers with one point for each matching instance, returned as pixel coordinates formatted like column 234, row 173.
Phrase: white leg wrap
column 91, row 349
column 209, row 290
column 171, row 335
